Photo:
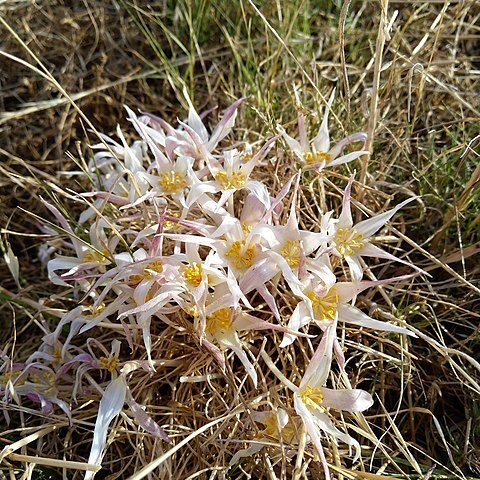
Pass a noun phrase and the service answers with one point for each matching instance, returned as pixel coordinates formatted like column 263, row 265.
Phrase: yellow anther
column 271, row 425
column 193, row 274
column 241, row 255
column 96, row 310
column 312, row 397
column 291, row 252
column 150, row 270
column 12, row 376
column 93, row 256
column 246, row 228
column 219, row 321
column 234, row 180
column 324, row 308
column 110, row 364
column 172, row 182
column 317, row 157
column 348, row 241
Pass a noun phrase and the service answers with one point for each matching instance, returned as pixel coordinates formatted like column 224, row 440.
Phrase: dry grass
column 424, row 140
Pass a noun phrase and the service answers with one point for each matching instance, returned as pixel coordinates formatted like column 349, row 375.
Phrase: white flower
column 318, row 153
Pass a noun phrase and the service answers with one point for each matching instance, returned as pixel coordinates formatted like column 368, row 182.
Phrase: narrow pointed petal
column 348, row 400
column 231, row 340
column 300, row 317
column 353, row 138
column 345, row 220
column 313, row 431
column 225, row 125
column 356, row 269
column 247, row 452
column 370, row 226
column 319, row 367
column 370, row 250
column 110, row 406
column 322, row 141
column 325, row 424
column 347, row 158
column 144, row 420
column 352, row 315
column 293, row 144
column 194, row 119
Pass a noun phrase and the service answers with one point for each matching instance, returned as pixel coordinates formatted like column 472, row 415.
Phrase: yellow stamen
column 271, row 425
column 11, row 376
column 110, row 364
column 313, row 398
column 219, row 321
column 149, row 272
column 324, row 308
column 172, row 182
column 348, row 241
column 317, row 157
column 96, row 310
column 193, row 274
column 93, row 256
column 241, row 255
column 44, row 381
column 234, row 180
column 291, row 252
column 246, row 228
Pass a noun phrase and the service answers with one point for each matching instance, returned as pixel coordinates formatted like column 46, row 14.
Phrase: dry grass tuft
column 424, row 137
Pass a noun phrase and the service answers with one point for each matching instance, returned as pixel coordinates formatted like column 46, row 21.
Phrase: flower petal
column 111, row 405
column 345, row 218
column 370, row 226
column 322, row 141
column 352, row 315
column 354, row 400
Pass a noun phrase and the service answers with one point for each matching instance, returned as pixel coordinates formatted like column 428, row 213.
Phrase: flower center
column 109, row 364
column 271, row 425
column 313, row 398
column 96, row 310
column 95, row 257
column 348, row 241
column 219, row 321
column 324, row 308
column 172, row 182
column 193, row 274
column 241, row 255
column 317, row 157
column 291, row 252
column 234, row 180
column 149, row 272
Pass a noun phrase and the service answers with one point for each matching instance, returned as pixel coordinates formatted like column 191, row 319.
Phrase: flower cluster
column 181, row 232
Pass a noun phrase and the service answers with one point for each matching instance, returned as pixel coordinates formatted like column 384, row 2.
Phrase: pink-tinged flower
column 326, row 304
column 231, row 175
column 351, row 241
column 38, row 383
column 223, row 322
column 171, row 180
column 195, row 141
column 277, row 426
column 313, row 401
column 318, row 154
column 92, row 255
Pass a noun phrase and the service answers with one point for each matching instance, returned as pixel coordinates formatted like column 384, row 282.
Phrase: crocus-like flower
column 233, row 175
column 325, row 304
column 195, row 141
column 318, row 154
column 277, row 425
column 312, row 400
column 351, row 241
